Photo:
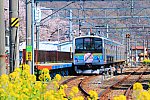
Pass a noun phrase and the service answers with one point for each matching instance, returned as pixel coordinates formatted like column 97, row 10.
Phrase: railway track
column 84, row 83
column 78, row 82
column 120, row 86
column 75, row 82
column 128, row 92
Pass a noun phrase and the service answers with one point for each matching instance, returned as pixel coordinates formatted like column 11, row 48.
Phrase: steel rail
column 130, row 88
column 102, row 95
column 82, row 90
column 80, row 86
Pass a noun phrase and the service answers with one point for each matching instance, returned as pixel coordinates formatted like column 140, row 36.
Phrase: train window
column 98, row 44
column 88, row 44
column 79, row 43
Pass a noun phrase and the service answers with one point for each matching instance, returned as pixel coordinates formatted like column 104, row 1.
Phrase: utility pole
column 30, row 34
column 28, row 27
column 2, row 40
column 13, row 29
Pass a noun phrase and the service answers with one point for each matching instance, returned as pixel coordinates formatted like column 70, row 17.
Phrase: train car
column 91, row 53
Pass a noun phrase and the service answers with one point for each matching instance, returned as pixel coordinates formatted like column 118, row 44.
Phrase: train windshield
column 88, row 44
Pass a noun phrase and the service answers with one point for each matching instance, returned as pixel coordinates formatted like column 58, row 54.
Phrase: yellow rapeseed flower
column 61, row 92
column 64, row 99
column 58, row 77
column 93, row 95
column 65, row 86
column 44, row 85
column 4, row 79
column 47, row 77
column 71, row 94
column 56, row 84
column 41, row 77
column 137, row 86
column 1, row 90
column 32, row 78
column 46, row 95
column 45, row 71
column 51, row 92
column 75, row 89
column 25, row 67
column 13, row 75
column 122, row 97
column 38, row 85
column 116, row 98
column 17, row 70
column 25, row 74
column 26, row 91
column 148, row 91
column 78, row 98
column 10, row 87
column 144, row 95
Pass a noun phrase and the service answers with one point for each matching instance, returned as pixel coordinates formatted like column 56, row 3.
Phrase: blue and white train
column 90, row 53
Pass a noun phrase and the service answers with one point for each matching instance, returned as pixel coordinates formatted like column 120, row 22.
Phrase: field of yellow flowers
column 21, row 85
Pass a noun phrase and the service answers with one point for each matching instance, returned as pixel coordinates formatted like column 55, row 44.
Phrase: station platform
column 52, row 66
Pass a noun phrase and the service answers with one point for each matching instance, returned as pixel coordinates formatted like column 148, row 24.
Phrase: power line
column 56, row 11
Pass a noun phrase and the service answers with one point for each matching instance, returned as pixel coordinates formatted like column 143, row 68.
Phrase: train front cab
column 88, row 57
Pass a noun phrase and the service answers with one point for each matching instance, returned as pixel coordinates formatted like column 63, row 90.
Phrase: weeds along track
column 121, row 86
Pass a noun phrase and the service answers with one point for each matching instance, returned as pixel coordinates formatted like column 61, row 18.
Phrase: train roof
column 99, row 37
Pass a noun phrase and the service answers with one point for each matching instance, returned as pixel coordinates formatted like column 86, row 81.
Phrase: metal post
column 37, row 36
column 144, row 48
column 58, row 34
column 126, row 50
column 30, row 30
column 37, row 29
column 70, row 24
column 107, row 31
column 2, row 40
column 32, row 35
column 37, row 33
column 13, row 13
column 17, row 60
column 58, row 47
column 136, row 55
column 131, row 54
column 129, row 46
column 147, row 46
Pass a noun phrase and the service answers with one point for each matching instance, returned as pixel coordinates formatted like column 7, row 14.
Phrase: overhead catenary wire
column 42, row 20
